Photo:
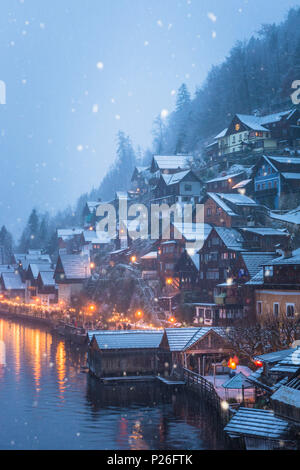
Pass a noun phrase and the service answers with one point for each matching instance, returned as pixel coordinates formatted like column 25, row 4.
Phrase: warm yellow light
column 92, row 308
column 133, row 259
column 172, row 320
column 229, row 180
column 169, row 281
column 37, row 300
column 92, row 265
column 91, row 228
column 139, row 313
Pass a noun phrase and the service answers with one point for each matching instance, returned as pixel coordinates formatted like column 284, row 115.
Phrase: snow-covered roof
column 222, row 204
column 175, row 177
column 253, row 122
column 222, row 133
column 173, row 162
column 225, row 177
column 47, row 278
column 37, row 267
column 257, row 423
column 12, row 281
column 7, row 268
column 180, row 339
column 275, row 356
column 230, row 237
column 287, row 395
column 150, row 255
column 266, row 231
column 67, row 233
column 292, row 217
column 237, row 199
column 241, row 184
column 257, row 280
column 237, row 382
column 76, row 266
column 92, row 236
column 276, row 117
column 254, row 261
column 132, row 339
column 291, row 176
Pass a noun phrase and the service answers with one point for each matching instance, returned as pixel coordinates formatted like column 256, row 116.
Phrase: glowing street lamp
column 133, row 259
column 139, row 313
column 92, row 308
column 258, row 363
column 232, row 364
column 169, row 281
column 172, row 320
column 92, row 265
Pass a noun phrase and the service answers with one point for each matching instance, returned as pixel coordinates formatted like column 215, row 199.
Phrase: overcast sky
column 77, row 71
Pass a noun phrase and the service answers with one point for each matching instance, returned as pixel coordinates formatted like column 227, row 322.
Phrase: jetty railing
column 205, row 389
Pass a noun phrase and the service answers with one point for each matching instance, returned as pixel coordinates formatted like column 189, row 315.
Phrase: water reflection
column 48, row 402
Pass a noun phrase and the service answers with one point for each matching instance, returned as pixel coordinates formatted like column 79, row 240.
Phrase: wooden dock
column 128, row 378
column 170, row 380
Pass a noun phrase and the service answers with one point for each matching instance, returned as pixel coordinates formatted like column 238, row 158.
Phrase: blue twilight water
column 48, row 402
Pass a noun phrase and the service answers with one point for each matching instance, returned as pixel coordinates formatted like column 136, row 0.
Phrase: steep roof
column 254, row 261
column 230, row 237
column 47, row 278
column 175, row 177
column 75, row 266
column 219, row 201
column 180, row 339
column 37, row 267
column 12, row 281
column 172, row 162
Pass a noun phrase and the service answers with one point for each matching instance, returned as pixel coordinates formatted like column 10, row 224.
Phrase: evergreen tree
column 6, row 246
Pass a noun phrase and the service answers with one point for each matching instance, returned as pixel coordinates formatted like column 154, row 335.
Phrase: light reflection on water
column 48, row 402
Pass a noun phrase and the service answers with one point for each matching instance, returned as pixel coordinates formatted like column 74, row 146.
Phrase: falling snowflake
column 95, row 108
column 100, row 65
column 212, row 17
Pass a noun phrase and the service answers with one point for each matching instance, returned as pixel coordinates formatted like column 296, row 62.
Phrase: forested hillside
column 256, row 75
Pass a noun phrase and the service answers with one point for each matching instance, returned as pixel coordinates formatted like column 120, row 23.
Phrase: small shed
column 238, row 383
column 259, row 429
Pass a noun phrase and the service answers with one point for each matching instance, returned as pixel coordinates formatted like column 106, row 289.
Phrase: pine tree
column 6, row 246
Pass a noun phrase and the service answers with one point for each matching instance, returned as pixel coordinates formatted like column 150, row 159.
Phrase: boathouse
column 127, row 353
column 157, row 352
column 197, row 349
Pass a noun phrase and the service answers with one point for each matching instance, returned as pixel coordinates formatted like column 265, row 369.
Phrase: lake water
column 49, row 402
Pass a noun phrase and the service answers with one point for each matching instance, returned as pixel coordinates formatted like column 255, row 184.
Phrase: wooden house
column 277, row 182
column 46, row 287
column 180, row 187
column 127, row 353
column 31, row 276
column 12, row 285
column 231, row 210
column 70, row 273
column 225, row 182
column 278, row 294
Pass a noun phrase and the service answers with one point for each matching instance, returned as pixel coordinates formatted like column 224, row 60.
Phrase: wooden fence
column 206, row 391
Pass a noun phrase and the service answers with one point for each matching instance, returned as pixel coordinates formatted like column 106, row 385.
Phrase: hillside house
column 231, row 210
column 70, row 273
column 277, row 182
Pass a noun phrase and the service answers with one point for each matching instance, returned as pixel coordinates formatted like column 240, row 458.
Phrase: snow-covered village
column 159, row 308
